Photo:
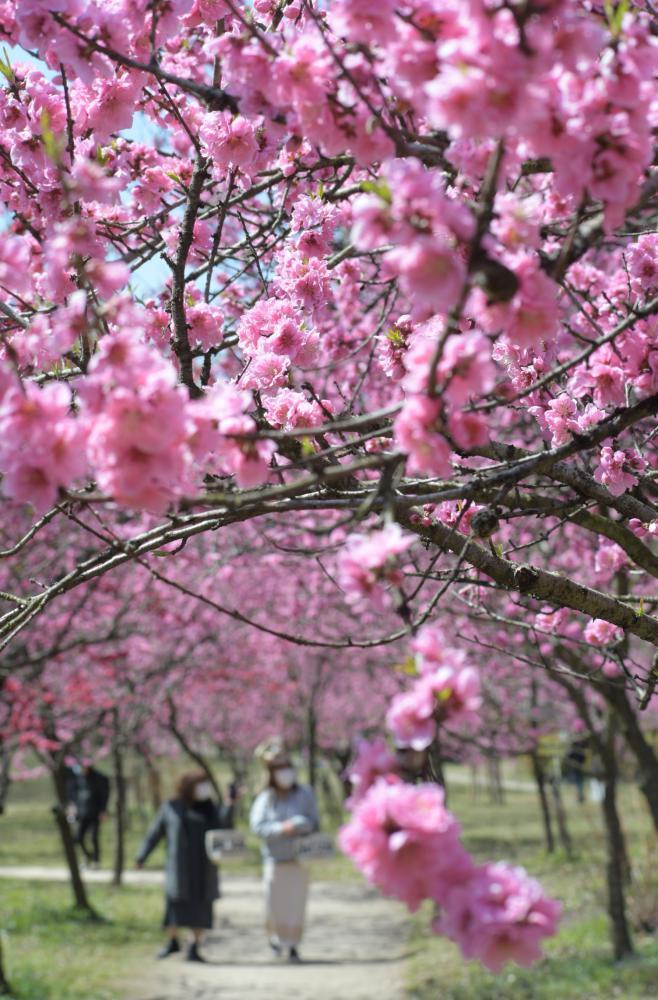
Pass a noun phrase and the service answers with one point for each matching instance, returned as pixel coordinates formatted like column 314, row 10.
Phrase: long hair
column 186, row 783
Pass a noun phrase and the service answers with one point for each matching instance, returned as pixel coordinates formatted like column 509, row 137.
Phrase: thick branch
column 550, row 587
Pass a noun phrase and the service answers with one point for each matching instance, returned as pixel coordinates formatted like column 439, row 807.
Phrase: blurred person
column 574, row 765
column 191, row 878
column 282, row 813
column 88, row 794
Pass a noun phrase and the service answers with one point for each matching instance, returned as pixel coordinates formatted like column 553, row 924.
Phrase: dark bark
column 59, row 811
column 533, row 581
column 616, row 854
column 561, row 817
column 153, row 778
column 647, row 760
column 311, row 737
column 434, row 770
column 638, row 744
column 5, row 988
column 343, row 757
column 616, row 857
column 540, row 781
column 495, row 785
column 120, row 812
column 193, row 754
column 5, row 779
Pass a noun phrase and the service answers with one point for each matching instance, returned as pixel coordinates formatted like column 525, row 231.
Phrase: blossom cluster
column 447, row 690
column 406, row 842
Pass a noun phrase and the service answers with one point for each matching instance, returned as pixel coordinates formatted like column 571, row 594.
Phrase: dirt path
column 354, row 948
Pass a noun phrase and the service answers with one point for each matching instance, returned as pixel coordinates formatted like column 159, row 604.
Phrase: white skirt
column 286, row 891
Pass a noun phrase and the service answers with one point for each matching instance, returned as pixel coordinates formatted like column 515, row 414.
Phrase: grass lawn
column 53, row 955
column 578, row 965
column 51, row 952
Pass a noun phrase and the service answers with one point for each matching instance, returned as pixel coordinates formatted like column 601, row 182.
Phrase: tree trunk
column 343, row 757
column 434, row 768
column 193, row 754
column 615, row 854
column 495, row 785
column 311, row 736
column 638, row 744
column 475, row 782
column 5, row 779
column 540, row 781
column 617, row 697
column 59, row 811
column 120, row 814
column 137, row 791
column 154, row 780
column 561, row 817
column 5, row 988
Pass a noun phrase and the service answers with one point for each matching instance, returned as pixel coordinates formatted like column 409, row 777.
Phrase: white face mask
column 202, row 791
column 285, row 777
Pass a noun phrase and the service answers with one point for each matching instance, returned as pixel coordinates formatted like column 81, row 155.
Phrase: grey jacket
column 270, row 811
column 189, row 873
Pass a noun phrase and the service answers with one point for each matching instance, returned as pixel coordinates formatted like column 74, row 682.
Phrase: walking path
column 354, row 949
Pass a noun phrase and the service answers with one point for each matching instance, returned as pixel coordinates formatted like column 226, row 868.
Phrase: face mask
column 285, row 777
column 203, row 791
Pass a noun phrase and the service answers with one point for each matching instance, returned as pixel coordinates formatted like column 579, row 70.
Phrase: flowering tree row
column 379, row 280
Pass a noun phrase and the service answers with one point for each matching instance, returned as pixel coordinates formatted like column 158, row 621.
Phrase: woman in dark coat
column 191, row 879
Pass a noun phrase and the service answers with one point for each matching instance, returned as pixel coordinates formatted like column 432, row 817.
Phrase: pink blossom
column 393, row 347
column 615, row 470
column 609, row 559
column 449, row 694
column 369, row 564
column 532, row 315
column 222, row 438
column 642, row 258
column 374, row 759
column 429, row 645
column 93, row 183
column 498, row 915
column 41, row 443
column 405, row 841
column 230, row 141
column 289, row 409
column 430, row 271
column 266, row 370
column 602, row 633
column 410, row 717
column 559, row 417
column 416, row 433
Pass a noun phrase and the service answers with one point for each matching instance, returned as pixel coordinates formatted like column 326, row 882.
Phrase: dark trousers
column 89, row 825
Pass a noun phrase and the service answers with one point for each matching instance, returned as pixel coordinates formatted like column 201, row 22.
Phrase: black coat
column 189, row 874
column 89, row 792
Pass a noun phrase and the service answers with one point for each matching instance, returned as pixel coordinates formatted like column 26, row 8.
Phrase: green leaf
column 308, row 447
column 615, row 15
column 396, row 337
column 51, row 143
column 380, row 188
column 407, row 667
column 5, row 67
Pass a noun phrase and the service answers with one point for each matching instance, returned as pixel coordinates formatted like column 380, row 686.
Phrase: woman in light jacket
column 282, row 813
column 191, row 879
